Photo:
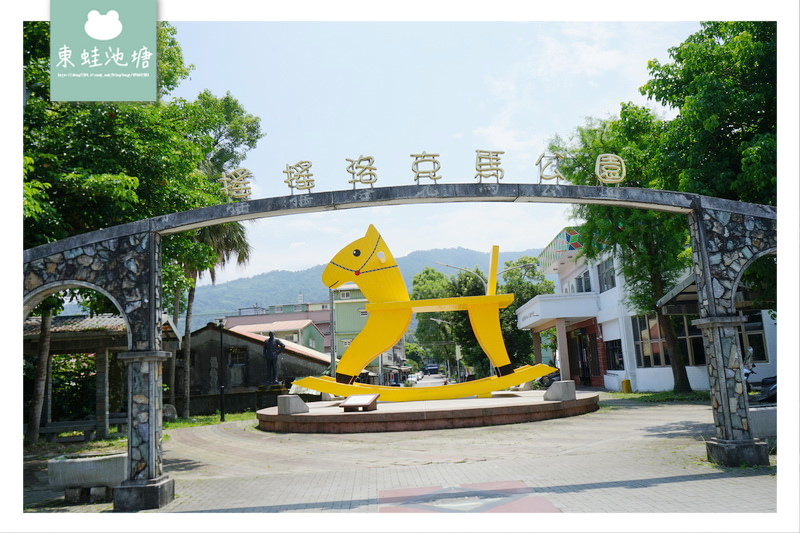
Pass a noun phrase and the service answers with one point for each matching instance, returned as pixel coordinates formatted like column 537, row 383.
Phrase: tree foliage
column 93, row 164
column 440, row 332
column 722, row 143
column 433, row 331
column 649, row 246
column 90, row 165
column 723, row 81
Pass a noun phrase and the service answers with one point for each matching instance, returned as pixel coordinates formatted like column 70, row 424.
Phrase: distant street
column 430, row 380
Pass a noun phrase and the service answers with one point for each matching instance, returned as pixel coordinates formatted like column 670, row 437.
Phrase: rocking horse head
column 369, row 264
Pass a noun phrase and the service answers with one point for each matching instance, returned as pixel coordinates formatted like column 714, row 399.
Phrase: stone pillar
column 734, row 444
column 536, row 340
column 722, row 245
column 101, row 392
column 563, row 349
column 145, row 487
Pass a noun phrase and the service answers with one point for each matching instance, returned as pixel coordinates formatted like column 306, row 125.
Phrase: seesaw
column 369, row 264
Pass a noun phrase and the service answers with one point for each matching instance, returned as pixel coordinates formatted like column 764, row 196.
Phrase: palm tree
column 226, row 240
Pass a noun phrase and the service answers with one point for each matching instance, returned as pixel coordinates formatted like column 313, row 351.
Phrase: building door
column 584, row 362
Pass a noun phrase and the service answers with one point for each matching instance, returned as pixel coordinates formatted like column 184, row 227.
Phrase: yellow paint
column 492, row 288
column 480, row 387
column 369, row 263
column 499, row 301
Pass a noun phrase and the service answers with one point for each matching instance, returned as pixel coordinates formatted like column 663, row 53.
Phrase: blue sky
column 448, row 82
column 328, row 91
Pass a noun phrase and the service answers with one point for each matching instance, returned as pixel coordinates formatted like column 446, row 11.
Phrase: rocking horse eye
column 356, row 252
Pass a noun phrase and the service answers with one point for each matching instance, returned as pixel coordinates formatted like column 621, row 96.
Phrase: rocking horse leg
column 485, row 320
column 382, row 330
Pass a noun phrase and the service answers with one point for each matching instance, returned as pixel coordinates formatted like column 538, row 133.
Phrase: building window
column 237, row 355
column 298, row 307
column 614, row 355
column 582, row 283
column 751, row 336
column 605, row 273
column 344, row 295
column 648, row 343
column 690, row 340
column 346, row 343
column 651, row 348
column 324, row 306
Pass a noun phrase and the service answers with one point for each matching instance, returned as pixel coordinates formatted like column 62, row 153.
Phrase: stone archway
column 723, row 245
column 126, row 262
column 127, row 269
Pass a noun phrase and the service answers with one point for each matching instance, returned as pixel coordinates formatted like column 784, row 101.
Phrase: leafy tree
column 525, row 281
column 211, row 247
column 439, row 333
column 723, row 142
column 722, row 80
column 467, row 283
column 650, row 246
column 171, row 68
column 415, row 355
column 94, row 165
column 231, row 130
column 433, row 330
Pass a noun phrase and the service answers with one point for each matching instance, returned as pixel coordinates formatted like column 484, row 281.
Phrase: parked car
column 547, row 380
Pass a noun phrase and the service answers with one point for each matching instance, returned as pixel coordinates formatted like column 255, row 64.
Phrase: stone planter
column 83, row 476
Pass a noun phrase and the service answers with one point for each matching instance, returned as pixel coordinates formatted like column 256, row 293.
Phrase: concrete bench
column 363, row 402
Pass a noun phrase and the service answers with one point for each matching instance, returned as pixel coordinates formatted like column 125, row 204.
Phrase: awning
column 682, row 298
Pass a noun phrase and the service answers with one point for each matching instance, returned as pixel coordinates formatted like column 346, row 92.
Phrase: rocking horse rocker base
column 482, row 388
column 369, row 263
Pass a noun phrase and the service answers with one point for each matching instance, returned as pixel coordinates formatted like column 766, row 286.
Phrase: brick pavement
column 629, row 459
column 624, row 458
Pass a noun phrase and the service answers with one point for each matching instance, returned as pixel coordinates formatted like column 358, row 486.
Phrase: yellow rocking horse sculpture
column 369, row 264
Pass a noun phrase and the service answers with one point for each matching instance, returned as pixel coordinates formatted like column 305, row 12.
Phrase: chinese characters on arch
column 609, row 169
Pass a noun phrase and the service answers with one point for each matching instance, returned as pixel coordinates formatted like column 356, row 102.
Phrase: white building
column 603, row 342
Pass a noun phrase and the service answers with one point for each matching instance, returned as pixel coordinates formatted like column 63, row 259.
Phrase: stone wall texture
column 723, row 245
column 121, row 267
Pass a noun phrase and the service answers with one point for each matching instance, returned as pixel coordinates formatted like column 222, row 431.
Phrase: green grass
column 118, row 442
column 207, row 420
column 701, row 396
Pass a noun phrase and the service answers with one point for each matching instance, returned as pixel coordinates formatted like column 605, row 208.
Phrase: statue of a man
column 272, row 347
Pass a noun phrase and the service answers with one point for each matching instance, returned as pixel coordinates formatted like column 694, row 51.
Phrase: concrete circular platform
column 502, row 408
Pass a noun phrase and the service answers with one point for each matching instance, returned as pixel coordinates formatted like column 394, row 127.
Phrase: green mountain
column 285, row 287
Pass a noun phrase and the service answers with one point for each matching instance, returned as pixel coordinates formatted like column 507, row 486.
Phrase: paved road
column 624, row 458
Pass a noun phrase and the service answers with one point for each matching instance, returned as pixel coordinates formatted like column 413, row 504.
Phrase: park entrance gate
column 124, row 263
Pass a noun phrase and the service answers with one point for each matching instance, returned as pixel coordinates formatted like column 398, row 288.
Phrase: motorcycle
column 748, row 371
column 769, row 391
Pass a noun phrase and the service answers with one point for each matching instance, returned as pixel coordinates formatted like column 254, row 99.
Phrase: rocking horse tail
column 382, row 331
